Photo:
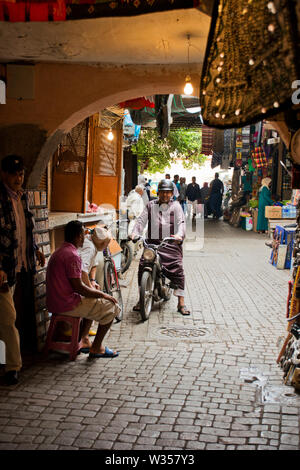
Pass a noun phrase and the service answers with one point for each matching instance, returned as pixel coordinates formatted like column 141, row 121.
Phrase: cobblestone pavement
column 208, row 381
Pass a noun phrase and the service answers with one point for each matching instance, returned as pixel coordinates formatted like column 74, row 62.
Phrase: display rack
column 38, row 206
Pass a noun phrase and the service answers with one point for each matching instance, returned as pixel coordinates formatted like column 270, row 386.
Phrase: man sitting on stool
column 68, row 295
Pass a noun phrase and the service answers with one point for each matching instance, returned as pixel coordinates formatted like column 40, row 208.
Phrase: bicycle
column 111, row 281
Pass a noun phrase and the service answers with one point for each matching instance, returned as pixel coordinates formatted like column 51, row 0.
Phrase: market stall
column 289, row 355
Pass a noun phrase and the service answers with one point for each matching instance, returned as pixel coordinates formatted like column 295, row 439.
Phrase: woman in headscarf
column 263, row 201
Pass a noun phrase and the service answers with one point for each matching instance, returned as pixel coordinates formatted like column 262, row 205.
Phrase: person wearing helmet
column 165, row 218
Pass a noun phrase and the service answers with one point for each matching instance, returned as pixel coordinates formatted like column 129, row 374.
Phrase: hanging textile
column 137, row 103
column 218, row 141
column 216, row 159
column 259, row 158
column 141, row 117
column 250, row 63
column 61, row 10
column 207, row 140
column 38, row 11
column 228, row 149
column 245, row 144
column 163, row 104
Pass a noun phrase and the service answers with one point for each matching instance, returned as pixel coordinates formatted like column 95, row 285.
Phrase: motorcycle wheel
column 127, row 255
column 112, row 286
column 146, row 298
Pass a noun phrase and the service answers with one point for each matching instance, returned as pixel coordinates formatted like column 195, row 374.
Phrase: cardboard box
column 273, row 212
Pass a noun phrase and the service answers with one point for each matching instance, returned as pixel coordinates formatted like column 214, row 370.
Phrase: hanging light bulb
column 188, row 89
column 110, row 135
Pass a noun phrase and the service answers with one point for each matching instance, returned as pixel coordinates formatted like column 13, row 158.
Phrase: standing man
column 175, row 190
column 177, row 184
column 18, row 254
column 216, row 196
column 205, row 193
column 165, row 217
column 193, row 194
column 182, row 194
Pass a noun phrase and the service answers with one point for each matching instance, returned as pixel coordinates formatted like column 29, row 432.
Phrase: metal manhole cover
column 182, row 332
column 280, row 394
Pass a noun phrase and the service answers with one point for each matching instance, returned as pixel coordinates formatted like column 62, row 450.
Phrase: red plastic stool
column 73, row 345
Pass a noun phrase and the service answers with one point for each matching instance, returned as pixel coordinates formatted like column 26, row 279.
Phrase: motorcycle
column 154, row 285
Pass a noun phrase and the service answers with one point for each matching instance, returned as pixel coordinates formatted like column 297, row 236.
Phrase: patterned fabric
column 61, row 10
column 251, row 61
column 8, row 241
column 259, row 158
column 207, row 140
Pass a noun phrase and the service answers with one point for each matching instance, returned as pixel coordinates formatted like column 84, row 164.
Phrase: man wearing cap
column 165, row 218
column 18, row 254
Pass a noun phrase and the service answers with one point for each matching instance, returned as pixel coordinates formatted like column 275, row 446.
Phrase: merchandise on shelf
column 289, row 355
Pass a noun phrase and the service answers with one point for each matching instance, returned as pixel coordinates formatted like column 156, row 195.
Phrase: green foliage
column 157, row 154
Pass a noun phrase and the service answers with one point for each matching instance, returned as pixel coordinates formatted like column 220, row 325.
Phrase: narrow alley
column 204, row 382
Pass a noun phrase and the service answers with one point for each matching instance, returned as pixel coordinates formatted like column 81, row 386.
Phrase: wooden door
column 106, row 168
column 69, row 168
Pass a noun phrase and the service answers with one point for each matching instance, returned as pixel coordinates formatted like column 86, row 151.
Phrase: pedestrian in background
column 177, row 184
column 175, row 190
column 205, row 193
column 263, row 201
column 193, row 194
column 182, row 194
column 216, row 196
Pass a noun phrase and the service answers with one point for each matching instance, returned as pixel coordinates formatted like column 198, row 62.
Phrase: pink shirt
column 64, row 264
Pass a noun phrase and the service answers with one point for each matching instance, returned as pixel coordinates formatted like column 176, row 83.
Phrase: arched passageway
column 67, row 94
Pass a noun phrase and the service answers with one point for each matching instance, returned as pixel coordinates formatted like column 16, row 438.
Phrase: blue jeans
column 183, row 205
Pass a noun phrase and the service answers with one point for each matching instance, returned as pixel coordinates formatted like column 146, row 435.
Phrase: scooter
column 154, row 285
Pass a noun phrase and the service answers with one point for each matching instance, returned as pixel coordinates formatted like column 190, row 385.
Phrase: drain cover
column 280, row 394
column 182, row 332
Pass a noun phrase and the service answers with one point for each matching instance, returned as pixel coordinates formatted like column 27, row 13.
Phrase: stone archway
column 67, row 94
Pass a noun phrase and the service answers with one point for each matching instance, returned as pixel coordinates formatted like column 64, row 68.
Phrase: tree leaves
column 157, row 154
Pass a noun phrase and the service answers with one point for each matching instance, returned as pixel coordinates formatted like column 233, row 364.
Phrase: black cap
column 12, row 164
column 165, row 185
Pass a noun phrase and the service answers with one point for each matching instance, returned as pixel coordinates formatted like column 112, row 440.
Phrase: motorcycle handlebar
column 165, row 240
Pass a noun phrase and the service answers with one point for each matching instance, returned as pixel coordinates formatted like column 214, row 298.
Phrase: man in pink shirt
column 67, row 294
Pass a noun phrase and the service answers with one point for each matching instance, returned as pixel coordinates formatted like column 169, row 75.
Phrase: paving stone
column 164, row 393
column 289, row 439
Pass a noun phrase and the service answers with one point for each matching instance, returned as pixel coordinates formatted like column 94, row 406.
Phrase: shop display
column 289, row 355
column 38, row 206
column 282, row 247
column 258, row 153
